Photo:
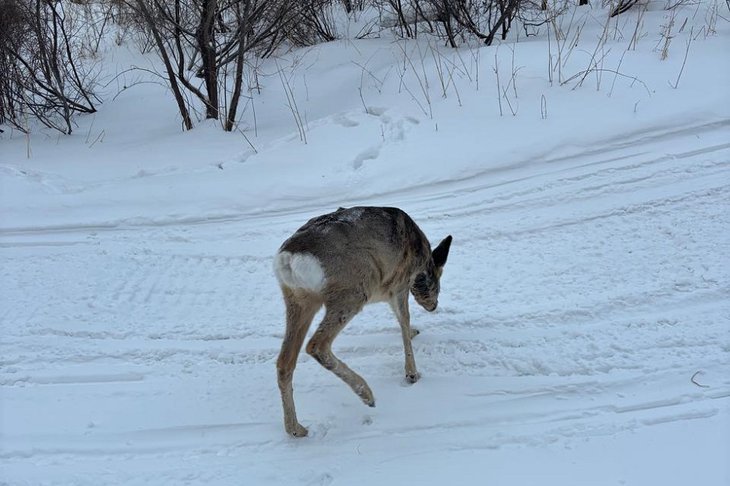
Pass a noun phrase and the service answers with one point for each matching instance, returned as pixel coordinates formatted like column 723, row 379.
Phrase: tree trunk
column 504, row 19
column 205, row 36
column 243, row 22
column 187, row 121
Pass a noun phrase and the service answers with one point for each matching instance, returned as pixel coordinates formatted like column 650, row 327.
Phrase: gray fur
column 367, row 254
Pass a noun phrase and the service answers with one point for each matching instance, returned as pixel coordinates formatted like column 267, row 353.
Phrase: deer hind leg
column 399, row 304
column 339, row 311
column 300, row 310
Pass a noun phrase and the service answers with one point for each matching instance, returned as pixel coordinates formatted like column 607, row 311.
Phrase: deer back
column 373, row 250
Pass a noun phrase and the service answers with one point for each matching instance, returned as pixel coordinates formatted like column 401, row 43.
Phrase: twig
column 543, row 107
column 633, row 78
column 88, row 134
column 592, row 63
column 550, row 56
column 379, row 82
column 253, row 111
column 617, row 70
column 362, row 100
column 499, row 91
column 476, row 62
column 423, row 83
column 98, row 138
column 698, row 384
column 514, row 73
column 666, row 36
column 453, row 82
column 28, row 151
column 134, row 68
column 292, row 104
column 509, row 104
column 686, row 52
column 439, row 70
column 247, row 140
column 637, row 28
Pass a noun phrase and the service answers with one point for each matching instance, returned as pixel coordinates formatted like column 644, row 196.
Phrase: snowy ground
column 587, row 286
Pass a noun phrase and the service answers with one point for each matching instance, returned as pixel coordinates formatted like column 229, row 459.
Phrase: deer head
column 426, row 284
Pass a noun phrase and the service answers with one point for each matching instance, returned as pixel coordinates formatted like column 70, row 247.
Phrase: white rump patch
column 299, row 271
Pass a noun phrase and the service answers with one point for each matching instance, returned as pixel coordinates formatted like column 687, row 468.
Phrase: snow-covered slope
column 583, row 335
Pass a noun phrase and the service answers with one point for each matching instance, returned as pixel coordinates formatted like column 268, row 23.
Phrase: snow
column 583, row 332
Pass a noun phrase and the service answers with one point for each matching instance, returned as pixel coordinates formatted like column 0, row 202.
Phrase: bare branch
column 695, row 382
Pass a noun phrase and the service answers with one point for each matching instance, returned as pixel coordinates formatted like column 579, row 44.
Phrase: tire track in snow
column 169, row 319
column 608, row 151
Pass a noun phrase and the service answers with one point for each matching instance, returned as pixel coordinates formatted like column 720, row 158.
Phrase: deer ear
column 441, row 252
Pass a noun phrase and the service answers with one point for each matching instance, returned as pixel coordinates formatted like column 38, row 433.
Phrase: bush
column 42, row 72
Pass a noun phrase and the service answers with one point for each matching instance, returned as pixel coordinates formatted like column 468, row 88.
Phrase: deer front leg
column 399, row 304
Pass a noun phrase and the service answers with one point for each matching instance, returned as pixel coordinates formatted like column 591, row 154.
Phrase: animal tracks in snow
column 392, row 131
column 369, row 154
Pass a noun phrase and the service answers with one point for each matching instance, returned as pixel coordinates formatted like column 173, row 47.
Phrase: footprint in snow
column 369, row 154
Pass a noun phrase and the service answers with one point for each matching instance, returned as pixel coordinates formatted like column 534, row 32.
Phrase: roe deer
column 344, row 260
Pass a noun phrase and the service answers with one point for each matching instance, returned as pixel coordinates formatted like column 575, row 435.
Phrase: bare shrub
column 215, row 40
column 622, row 6
column 315, row 22
column 458, row 20
column 44, row 74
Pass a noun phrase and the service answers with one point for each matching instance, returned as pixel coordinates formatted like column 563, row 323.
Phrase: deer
column 343, row 261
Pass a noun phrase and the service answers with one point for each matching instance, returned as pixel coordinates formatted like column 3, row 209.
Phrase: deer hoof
column 368, row 399
column 299, row 431
column 412, row 377
column 366, row 395
column 414, row 332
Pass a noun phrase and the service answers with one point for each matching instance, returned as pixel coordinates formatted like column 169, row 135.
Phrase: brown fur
column 367, row 254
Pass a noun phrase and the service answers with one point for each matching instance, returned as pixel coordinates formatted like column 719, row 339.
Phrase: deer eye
column 422, row 283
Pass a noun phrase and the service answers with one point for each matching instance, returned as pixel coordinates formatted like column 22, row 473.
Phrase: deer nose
column 435, row 304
